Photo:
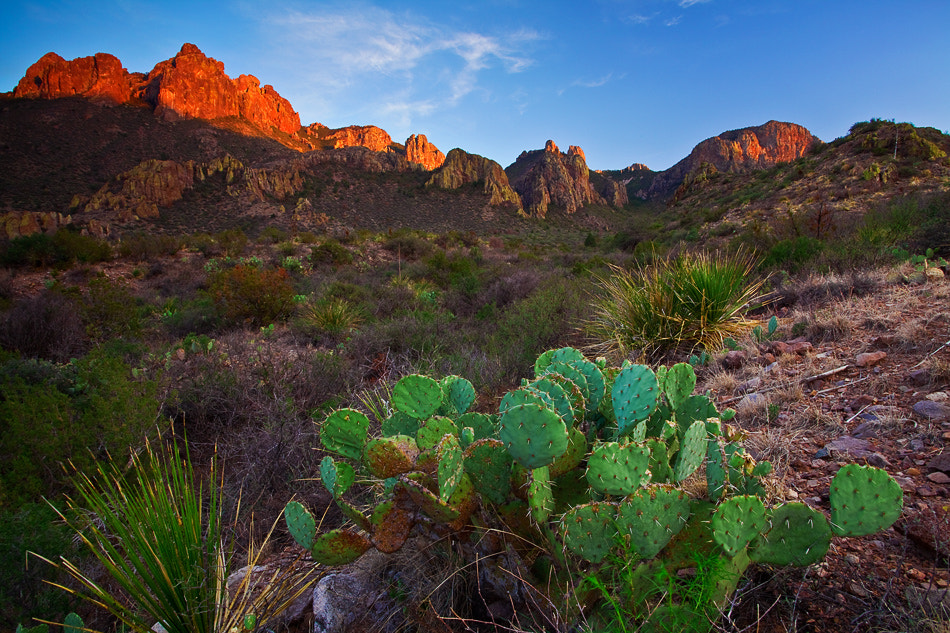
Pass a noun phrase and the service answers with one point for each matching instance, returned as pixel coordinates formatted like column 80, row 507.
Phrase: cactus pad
column 489, row 465
column 339, row 547
column 651, row 517
column 660, row 470
column 418, row 396
column 692, row 451
column 678, row 384
column 300, row 524
column 391, row 526
column 694, row 408
column 540, row 497
column 450, row 466
column 614, row 469
column 573, row 456
column 400, row 423
column 458, row 392
column 483, row 425
column 336, row 477
column 589, row 531
column 344, row 432
column 431, row 433
column 799, row 536
column 634, row 396
column 737, row 521
column 390, row 456
column 525, row 395
column 573, row 374
column 428, row 502
column 596, row 384
column 534, row 436
column 864, row 500
column 573, row 393
column 558, row 397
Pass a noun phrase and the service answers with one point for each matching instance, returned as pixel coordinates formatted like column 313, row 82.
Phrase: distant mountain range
column 185, row 147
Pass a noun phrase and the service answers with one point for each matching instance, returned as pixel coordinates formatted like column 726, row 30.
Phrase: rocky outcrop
column 739, row 150
column 461, row 168
column 98, row 76
column 192, row 85
column 420, row 150
column 368, row 136
column 22, row 223
column 546, row 177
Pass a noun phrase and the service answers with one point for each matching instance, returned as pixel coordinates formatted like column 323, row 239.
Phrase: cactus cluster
column 582, row 459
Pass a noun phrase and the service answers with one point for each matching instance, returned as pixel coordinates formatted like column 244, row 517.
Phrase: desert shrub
column 272, row 235
column 332, row 316
column 793, row 255
column 53, row 413
column 682, row 303
column 410, row 247
column 198, row 315
column 109, row 310
column 330, row 252
column 246, row 294
column 145, row 246
column 232, row 242
column 47, row 326
column 24, row 592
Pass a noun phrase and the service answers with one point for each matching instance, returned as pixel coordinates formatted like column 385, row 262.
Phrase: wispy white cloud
column 685, row 4
column 673, row 21
column 593, row 83
column 433, row 65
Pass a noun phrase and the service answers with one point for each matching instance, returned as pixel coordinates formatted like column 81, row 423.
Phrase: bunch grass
column 677, row 304
column 161, row 539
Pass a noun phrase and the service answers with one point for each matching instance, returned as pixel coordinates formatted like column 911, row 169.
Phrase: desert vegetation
column 242, row 347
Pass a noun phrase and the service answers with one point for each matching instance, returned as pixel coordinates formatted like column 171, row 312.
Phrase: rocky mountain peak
column 574, row 150
column 420, row 150
column 461, row 168
column 551, row 147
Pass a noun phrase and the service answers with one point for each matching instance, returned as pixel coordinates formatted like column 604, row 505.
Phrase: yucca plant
column 688, row 302
column 332, row 315
column 160, row 536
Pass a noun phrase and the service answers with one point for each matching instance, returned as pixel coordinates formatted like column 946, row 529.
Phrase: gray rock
column 851, row 446
column 940, row 462
column 932, row 410
column 878, row 461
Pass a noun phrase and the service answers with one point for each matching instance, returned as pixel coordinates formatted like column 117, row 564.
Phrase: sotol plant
column 592, row 464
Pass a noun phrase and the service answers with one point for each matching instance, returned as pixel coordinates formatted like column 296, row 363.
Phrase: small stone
column 734, row 359
column 851, row 446
column 792, row 347
column 913, row 472
column 932, row 410
column 863, row 400
column 938, row 396
column 919, row 377
column 851, row 558
column 879, row 461
column 858, row 590
column 749, row 385
column 791, row 494
column 867, row 429
column 940, row 462
column 926, row 491
column 869, row 359
column 939, row 478
column 768, row 359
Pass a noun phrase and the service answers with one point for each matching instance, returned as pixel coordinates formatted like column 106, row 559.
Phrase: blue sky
column 627, row 80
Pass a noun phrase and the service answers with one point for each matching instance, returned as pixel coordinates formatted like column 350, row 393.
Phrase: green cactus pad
column 570, row 489
column 354, row 514
column 596, row 383
column 573, row 393
column 799, row 536
column 336, row 477
column 465, row 501
column 588, row 530
column 558, row 397
column 459, row 392
column 339, row 547
column 692, row 409
column 431, row 433
column 692, row 451
column 344, row 432
column 571, row 373
column 540, row 497
column 400, row 423
column 634, row 395
column 482, row 424
column 525, row 395
column 660, row 470
column 489, row 465
column 300, row 524
column 428, row 502
column 651, row 517
column 616, row 469
column 390, row 456
column 391, row 526
column 534, row 436
column 418, row 396
column 573, row 456
column 864, row 500
column 737, row 521
column 450, row 468
column 73, row 624
column 678, row 384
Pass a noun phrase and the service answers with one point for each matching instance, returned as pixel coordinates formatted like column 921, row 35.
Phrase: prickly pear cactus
column 344, row 432
column 737, row 521
column 535, row 436
column 616, row 469
column 589, row 530
column 634, row 395
column 797, row 535
column 864, row 500
column 417, row 396
column 651, row 517
column 300, row 524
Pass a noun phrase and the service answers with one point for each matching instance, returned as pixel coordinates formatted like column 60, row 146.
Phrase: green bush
column 251, row 295
column 146, row 246
column 58, row 249
column 793, row 255
column 78, row 412
column 47, row 326
column 681, row 303
column 330, row 252
column 110, row 310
